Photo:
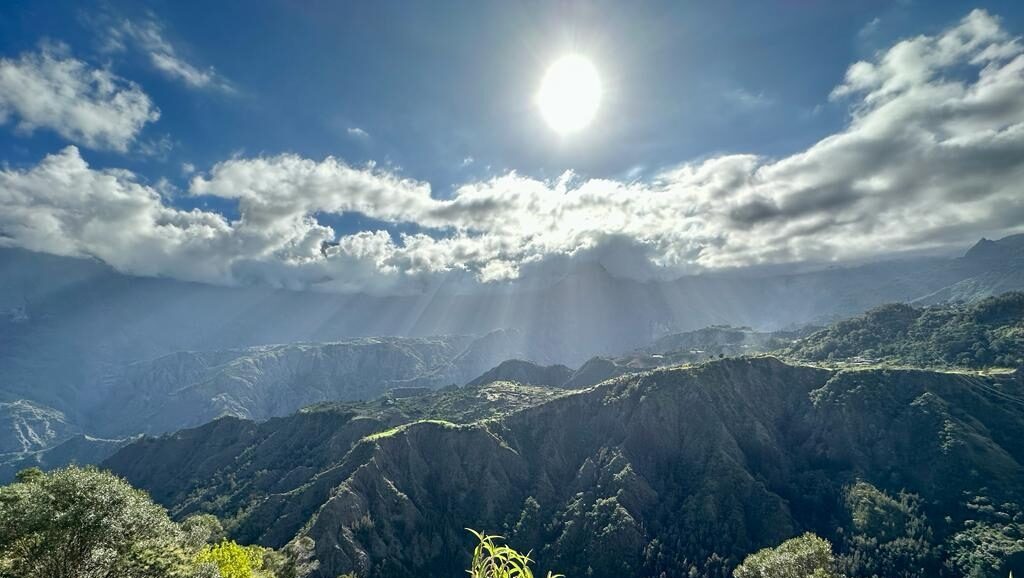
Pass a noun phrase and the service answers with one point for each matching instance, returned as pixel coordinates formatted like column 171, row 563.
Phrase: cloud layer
column 932, row 155
column 90, row 106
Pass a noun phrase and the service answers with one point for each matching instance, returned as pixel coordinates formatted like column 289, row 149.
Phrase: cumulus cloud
column 356, row 132
column 932, row 156
column 65, row 207
column 148, row 35
column 93, row 107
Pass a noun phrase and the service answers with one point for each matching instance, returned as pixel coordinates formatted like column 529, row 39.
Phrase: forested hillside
column 245, row 472
column 189, row 388
column 987, row 333
column 661, row 471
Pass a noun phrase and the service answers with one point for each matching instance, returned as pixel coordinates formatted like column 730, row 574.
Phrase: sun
column 570, row 94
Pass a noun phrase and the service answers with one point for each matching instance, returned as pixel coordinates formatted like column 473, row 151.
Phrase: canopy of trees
column 87, row 523
column 983, row 334
column 806, row 556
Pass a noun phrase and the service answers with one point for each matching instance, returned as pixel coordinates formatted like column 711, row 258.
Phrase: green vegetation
column 988, row 333
column 806, row 556
column 992, row 542
column 887, row 537
column 720, row 340
column 391, row 432
column 494, row 560
column 87, row 523
column 233, row 560
column 245, row 463
column 681, row 472
column 455, row 404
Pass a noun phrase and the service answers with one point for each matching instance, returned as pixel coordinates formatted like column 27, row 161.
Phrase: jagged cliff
column 650, row 472
column 29, row 426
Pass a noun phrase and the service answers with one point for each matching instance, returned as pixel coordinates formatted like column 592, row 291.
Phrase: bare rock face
column 32, row 434
column 27, row 426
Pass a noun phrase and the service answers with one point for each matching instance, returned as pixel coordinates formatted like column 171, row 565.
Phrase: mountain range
column 664, row 450
column 657, row 471
column 92, row 357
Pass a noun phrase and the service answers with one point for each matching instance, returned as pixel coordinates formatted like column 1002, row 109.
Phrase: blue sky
column 434, row 84
column 443, row 92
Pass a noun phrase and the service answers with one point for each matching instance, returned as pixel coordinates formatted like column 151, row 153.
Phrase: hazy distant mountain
column 1007, row 248
column 673, row 349
column 721, row 339
column 110, row 355
column 66, row 322
column 27, row 426
column 998, row 265
column 656, row 472
column 188, row 389
column 80, row 449
column 525, row 372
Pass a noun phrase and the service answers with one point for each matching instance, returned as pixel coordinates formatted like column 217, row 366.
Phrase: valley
column 689, row 452
column 147, row 356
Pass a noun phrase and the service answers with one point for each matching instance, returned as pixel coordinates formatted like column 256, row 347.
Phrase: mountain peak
column 1005, row 248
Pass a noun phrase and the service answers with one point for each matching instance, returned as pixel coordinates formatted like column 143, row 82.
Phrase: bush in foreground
column 806, row 556
column 494, row 560
column 87, row 523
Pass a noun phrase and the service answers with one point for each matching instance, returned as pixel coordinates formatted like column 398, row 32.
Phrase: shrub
column 494, row 560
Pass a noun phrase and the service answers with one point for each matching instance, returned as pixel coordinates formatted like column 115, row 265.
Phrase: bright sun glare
column 569, row 94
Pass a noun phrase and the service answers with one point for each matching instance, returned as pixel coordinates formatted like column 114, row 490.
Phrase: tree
column 84, row 523
column 29, row 475
column 806, row 556
column 889, row 536
column 202, row 529
column 233, row 560
column 295, row 560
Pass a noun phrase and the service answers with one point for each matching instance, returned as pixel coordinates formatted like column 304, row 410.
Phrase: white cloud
column 355, row 131
column 870, row 28
column 148, row 35
column 93, row 107
column 157, row 148
column 62, row 206
column 932, row 156
column 748, row 100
